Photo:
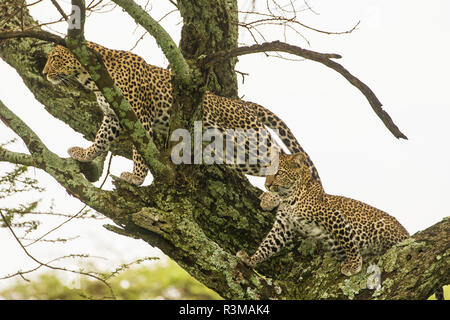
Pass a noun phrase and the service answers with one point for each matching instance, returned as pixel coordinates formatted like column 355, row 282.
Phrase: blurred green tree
column 159, row 281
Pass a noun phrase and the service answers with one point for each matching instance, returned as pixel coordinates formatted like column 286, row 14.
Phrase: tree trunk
column 206, row 214
column 211, row 26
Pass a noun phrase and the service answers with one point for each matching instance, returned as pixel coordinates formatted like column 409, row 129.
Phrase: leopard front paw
column 350, row 267
column 79, row 154
column 131, row 178
column 245, row 258
column 269, row 201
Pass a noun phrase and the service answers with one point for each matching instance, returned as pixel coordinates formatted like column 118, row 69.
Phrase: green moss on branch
column 179, row 66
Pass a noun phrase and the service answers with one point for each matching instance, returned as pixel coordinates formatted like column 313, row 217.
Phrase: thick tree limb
column 323, row 58
column 31, row 140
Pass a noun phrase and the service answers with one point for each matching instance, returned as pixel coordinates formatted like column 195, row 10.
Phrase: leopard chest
column 303, row 224
column 311, row 229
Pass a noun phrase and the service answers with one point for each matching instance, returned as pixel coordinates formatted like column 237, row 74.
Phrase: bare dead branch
column 138, row 40
column 41, row 35
column 60, row 10
column 324, row 58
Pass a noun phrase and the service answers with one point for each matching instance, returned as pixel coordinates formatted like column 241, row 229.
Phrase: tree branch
column 211, row 261
column 59, row 101
column 76, row 43
column 37, row 34
column 201, row 223
column 177, row 62
column 31, row 140
column 318, row 57
column 80, row 272
column 413, row 269
column 38, row 150
column 93, row 64
column 60, row 10
column 269, row 46
column 16, row 157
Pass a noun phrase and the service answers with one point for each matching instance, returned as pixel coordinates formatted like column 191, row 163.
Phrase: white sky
column 400, row 51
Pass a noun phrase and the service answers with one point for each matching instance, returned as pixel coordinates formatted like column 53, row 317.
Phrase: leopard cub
column 349, row 228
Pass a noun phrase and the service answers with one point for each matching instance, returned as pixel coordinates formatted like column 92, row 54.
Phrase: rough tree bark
column 204, row 214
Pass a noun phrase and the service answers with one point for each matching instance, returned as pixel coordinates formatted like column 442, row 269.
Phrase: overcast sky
column 400, row 50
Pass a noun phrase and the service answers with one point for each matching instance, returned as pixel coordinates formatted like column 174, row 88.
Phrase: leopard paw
column 131, row 178
column 269, row 201
column 79, row 154
column 350, row 268
column 245, row 258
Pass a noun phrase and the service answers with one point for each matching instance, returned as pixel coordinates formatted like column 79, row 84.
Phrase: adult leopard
column 148, row 89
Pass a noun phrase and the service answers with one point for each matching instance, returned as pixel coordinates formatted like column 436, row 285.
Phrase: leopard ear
column 298, row 158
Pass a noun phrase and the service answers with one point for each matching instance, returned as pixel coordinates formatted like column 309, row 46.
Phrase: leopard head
column 292, row 168
column 61, row 66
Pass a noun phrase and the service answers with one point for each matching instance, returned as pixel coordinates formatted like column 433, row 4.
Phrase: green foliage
column 160, row 281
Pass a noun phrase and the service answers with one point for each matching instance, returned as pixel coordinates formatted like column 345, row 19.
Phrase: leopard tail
column 273, row 122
